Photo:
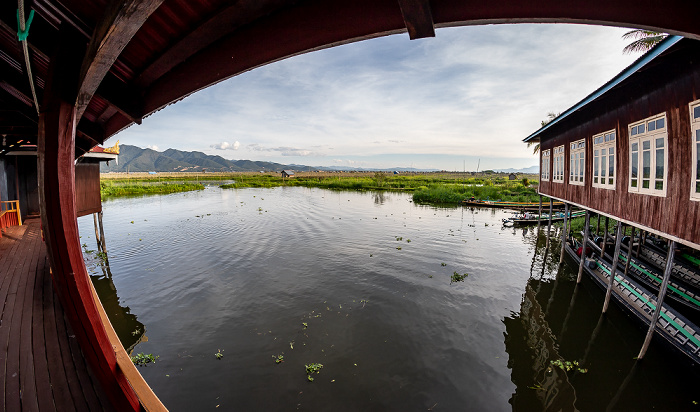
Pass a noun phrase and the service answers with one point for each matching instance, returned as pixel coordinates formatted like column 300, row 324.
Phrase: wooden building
column 630, row 149
column 287, row 174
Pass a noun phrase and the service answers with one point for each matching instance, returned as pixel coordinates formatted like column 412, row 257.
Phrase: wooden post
column 597, row 229
column 613, row 269
column 102, row 233
column 583, row 247
column 563, row 232
column 629, row 252
column 549, row 225
column 660, row 298
column 642, row 234
column 97, row 233
column 605, row 238
column 539, row 215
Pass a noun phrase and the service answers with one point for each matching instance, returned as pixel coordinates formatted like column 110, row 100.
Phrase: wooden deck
column 42, row 366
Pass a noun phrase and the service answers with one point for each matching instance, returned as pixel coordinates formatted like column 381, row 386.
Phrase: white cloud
column 226, row 146
column 152, row 147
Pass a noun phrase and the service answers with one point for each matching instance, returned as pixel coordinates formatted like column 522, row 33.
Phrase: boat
column 508, row 205
column 531, row 219
column 672, row 327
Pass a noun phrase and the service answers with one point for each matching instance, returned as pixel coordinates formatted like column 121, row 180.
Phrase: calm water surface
column 242, row 271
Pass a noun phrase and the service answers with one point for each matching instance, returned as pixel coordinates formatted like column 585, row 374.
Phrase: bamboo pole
column 613, row 269
column 660, row 298
column 563, row 232
column 583, row 248
column 605, row 237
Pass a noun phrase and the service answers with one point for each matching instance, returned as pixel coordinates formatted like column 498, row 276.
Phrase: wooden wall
column 87, row 188
column 667, row 86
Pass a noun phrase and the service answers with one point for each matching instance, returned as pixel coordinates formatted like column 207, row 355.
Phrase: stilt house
column 629, row 150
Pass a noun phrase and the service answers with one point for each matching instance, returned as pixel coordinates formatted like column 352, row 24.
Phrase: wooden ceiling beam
column 418, row 18
column 125, row 99
column 122, row 19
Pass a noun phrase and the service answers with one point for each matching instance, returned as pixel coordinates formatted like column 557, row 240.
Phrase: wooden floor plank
column 26, row 365
column 68, row 366
column 61, row 394
column 84, row 377
column 41, row 367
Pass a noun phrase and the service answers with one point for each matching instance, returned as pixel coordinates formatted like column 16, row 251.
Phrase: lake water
column 360, row 283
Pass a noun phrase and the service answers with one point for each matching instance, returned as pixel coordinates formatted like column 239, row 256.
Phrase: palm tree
column 550, row 116
column 643, row 40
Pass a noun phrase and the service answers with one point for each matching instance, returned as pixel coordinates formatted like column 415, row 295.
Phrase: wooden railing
column 147, row 398
column 9, row 214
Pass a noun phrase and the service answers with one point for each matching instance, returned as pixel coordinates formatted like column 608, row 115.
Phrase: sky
column 461, row 100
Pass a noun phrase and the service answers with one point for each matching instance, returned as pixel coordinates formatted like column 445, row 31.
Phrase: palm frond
column 644, row 40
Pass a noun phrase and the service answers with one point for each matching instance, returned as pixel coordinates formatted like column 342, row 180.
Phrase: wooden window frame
column 695, row 148
column 604, row 142
column 558, row 161
column 577, row 162
column 545, row 165
column 640, row 137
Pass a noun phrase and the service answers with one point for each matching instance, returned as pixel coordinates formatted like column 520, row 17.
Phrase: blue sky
column 470, row 93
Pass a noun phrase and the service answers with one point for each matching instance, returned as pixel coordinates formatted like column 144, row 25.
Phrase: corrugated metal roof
column 622, row 76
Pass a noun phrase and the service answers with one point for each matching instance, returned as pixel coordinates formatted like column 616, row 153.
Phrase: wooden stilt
column 605, row 237
column 564, row 232
column 583, row 247
column 597, row 229
column 642, row 235
column 102, row 232
column 539, row 216
column 660, row 298
column 613, row 269
column 549, row 224
column 97, row 233
column 629, row 252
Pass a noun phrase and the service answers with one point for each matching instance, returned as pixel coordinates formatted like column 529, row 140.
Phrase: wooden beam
column 659, row 298
column 56, row 172
column 121, row 21
column 418, row 18
column 613, row 268
column 564, row 233
column 582, row 262
column 123, row 97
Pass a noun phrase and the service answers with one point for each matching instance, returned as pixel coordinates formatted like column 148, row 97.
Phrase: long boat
column 677, row 290
column 507, row 205
column 544, row 218
column 673, row 327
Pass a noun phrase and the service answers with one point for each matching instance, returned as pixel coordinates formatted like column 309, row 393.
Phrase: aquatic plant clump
column 311, row 369
column 456, row 277
column 143, row 359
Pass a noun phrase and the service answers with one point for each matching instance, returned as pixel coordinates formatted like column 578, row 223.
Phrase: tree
column 643, row 40
column 550, row 116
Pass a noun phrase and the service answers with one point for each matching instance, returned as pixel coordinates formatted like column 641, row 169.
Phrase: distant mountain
column 529, row 170
column 135, row 159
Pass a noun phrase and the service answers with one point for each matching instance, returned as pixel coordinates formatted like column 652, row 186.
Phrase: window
column 695, row 139
column 577, row 162
column 604, row 160
column 648, row 156
column 558, row 173
column 544, row 169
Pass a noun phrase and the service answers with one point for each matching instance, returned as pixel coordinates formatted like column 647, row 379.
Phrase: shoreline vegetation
column 444, row 188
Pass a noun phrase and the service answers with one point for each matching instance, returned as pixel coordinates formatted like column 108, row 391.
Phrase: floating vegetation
column 443, row 264
column 136, row 332
column 364, row 302
column 398, row 248
column 143, row 359
column 311, row 369
column 408, row 240
column 278, row 359
column 456, row 277
column 119, row 187
column 398, row 238
column 305, row 325
column 567, row 366
column 218, row 354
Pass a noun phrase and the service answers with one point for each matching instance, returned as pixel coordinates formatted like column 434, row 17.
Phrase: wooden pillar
column 549, row 225
column 605, row 238
column 642, row 234
column 660, row 298
column 613, row 268
column 583, row 247
column 629, row 252
column 597, row 229
column 564, row 231
column 539, row 215
column 102, row 233
column 56, row 174
column 97, row 233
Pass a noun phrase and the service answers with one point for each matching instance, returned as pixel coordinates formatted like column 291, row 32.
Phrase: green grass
column 112, row 188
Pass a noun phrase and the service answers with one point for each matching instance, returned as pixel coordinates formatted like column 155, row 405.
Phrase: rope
column 22, row 33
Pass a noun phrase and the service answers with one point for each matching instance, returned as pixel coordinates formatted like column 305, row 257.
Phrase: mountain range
column 136, row 159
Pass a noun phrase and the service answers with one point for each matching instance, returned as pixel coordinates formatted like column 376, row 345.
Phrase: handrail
column 147, row 398
column 5, row 208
